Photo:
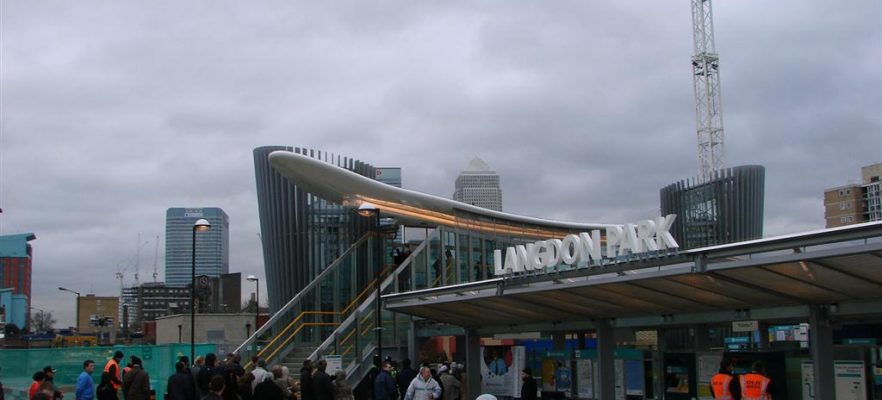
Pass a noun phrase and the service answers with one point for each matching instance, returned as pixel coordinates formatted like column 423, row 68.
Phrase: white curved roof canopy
column 340, row 185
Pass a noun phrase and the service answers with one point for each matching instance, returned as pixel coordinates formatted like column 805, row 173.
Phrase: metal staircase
column 335, row 315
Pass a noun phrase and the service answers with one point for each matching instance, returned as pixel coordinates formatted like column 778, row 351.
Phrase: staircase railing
column 319, row 307
column 354, row 340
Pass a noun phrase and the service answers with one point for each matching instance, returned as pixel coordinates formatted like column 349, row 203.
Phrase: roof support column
column 821, row 340
column 606, row 346
column 473, row 364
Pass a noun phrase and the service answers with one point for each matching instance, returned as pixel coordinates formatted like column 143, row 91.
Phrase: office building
column 226, row 293
column 96, row 313
column 301, row 233
column 726, row 208
column 212, row 246
column 855, row 203
column 16, row 258
column 156, row 299
column 478, row 185
column 389, row 175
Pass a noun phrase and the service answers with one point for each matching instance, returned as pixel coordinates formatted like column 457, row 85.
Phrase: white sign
column 335, row 363
column 849, row 377
column 850, row 380
column 645, row 236
column 745, row 326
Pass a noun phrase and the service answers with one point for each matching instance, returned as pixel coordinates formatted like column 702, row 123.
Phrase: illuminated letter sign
column 645, row 236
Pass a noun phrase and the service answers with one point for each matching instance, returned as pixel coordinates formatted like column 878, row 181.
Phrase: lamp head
column 251, row 278
column 367, row 209
column 201, row 225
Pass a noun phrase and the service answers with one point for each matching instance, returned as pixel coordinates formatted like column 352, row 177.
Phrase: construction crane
column 155, row 258
column 708, row 101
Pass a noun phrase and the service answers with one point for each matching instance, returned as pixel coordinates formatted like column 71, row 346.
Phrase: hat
column 118, row 354
column 442, row 369
column 528, row 371
column 136, row 360
column 48, row 369
column 486, row 396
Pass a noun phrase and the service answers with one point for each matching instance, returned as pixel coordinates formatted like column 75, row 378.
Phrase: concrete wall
column 225, row 330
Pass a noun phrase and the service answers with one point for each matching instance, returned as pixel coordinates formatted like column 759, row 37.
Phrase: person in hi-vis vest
column 724, row 385
column 112, row 367
column 755, row 385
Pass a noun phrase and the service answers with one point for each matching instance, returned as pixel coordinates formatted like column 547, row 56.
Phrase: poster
column 501, row 370
column 850, row 380
column 585, row 378
column 808, row 381
column 634, row 374
column 849, row 377
column 620, row 378
column 708, row 365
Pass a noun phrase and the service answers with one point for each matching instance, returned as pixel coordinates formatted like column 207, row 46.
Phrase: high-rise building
column 15, row 266
column 301, row 233
column 478, row 185
column 212, row 246
column 855, row 203
column 389, row 175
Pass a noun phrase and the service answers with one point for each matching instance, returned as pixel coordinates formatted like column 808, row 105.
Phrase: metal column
column 473, row 365
column 821, row 340
column 606, row 346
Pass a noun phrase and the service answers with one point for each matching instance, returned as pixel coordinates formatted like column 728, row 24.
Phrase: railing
column 319, row 307
column 354, row 340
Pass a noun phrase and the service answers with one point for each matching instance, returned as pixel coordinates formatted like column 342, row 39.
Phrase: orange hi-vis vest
column 720, row 386
column 753, row 387
column 112, row 362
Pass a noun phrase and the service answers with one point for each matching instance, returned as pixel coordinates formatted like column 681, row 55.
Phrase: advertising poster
column 634, row 384
column 708, row 365
column 585, row 368
column 501, row 370
column 557, row 375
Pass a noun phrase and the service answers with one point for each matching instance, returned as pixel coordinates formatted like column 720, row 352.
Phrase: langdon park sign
column 649, row 235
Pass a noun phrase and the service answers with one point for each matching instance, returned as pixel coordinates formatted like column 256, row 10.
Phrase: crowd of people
column 212, row 378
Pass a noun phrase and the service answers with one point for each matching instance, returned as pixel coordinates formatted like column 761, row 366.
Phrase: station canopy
column 774, row 279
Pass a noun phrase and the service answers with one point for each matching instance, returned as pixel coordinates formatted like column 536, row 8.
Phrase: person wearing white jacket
column 423, row 387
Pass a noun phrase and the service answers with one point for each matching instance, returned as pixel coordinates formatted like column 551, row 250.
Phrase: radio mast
column 708, row 101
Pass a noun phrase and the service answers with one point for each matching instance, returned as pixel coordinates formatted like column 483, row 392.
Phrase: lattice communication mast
column 708, row 102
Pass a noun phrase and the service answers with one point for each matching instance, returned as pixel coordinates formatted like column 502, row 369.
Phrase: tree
column 42, row 321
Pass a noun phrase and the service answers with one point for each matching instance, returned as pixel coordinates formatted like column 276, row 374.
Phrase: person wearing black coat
column 528, row 389
column 105, row 389
column 180, row 384
column 306, row 384
column 405, row 376
column 207, row 372
column 268, row 390
column 323, row 385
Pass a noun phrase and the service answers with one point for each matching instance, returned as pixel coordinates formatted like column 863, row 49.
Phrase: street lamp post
column 252, row 278
column 77, row 313
column 368, row 210
column 200, row 225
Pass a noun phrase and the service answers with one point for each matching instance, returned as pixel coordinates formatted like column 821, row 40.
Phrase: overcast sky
column 114, row 111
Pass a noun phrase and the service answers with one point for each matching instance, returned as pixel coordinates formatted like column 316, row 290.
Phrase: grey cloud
column 113, row 112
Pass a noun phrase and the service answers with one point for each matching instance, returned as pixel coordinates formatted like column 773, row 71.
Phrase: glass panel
column 463, row 259
column 477, row 257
